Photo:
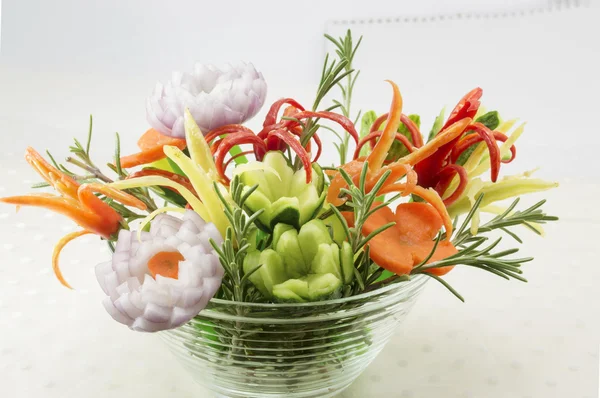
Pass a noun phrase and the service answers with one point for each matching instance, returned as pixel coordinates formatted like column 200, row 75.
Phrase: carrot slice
column 422, row 222
column 388, row 249
column 409, row 242
column 165, row 264
column 151, row 144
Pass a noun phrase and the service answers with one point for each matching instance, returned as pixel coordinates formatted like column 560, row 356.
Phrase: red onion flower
column 148, row 295
column 215, row 97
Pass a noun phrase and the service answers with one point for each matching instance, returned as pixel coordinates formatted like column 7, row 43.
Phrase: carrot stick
column 380, row 152
column 56, row 254
column 151, row 145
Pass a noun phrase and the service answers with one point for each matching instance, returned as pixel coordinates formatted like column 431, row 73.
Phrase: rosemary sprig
column 509, row 218
column 232, row 251
column 362, row 204
column 470, row 254
column 333, row 72
column 346, row 50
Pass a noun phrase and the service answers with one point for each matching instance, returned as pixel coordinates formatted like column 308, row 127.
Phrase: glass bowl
column 290, row 350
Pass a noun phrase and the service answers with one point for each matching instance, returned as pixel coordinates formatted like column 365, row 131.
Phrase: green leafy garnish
column 437, row 125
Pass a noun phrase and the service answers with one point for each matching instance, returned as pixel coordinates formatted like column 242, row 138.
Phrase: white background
column 62, row 60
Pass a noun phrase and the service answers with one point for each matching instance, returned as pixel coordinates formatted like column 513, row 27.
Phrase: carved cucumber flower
column 165, row 278
column 215, row 97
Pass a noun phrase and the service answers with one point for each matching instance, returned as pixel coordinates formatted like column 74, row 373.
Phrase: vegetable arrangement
column 256, row 218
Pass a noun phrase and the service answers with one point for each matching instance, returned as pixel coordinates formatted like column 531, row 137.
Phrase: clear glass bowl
column 290, row 350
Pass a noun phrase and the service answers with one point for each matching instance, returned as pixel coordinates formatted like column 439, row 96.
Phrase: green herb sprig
column 345, row 50
column 362, row 204
column 236, row 286
column 470, row 254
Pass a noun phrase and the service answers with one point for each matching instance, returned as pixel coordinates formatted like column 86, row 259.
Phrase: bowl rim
column 415, row 280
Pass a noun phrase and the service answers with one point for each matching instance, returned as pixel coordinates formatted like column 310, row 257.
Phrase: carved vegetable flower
column 166, row 277
column 215, row 97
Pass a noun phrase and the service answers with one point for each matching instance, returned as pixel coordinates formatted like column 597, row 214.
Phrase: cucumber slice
column 318, row 178
column 286, row 199
column 292, row 290
column 258, row 177
column 276, row 160
column 339, row 234
column 289, row 249
column 323, row 287
column 311, row 235
column 272, row 270
column 285, row 210
column 298, row 183
column 309, row 198
column 347, row 262
column 319, row 206
column 278, row 231
column 251, row 261
column 327, row 260
column 258, row 201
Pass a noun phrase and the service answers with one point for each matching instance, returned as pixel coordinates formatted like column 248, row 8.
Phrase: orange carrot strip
column 165, row 264
column 56, row 254
column 61, row 182
column 151, row 144
column 380, row 152
column 113, row 193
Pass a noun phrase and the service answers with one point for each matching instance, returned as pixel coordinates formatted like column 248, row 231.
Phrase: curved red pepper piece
column 271, row 118
column 295, row 145
column 334, row 117
column 370, row 138
column 428, row 168
column 488, row 137
column 415, row 133
column 238, row 139
column 446, row 175
column 319, row 147
column 466, row 107
column 234, row 157
column 474, row 138
column 224, row 130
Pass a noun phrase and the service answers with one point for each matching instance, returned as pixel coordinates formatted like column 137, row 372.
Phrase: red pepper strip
column 415, row 133
column 215, row 145
column 446, row 175
column 295, row 145
column 319, row 147
column 224, row 130
column 429, row 168
column 237, row 139
column 235, row 157
column 335, row 117
column 466, row 107
column 271, row 117
column 378, row 122
column 474, row 138
column 488, row 137
column 182, row 180
column 376, row 134
column 298, row 133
